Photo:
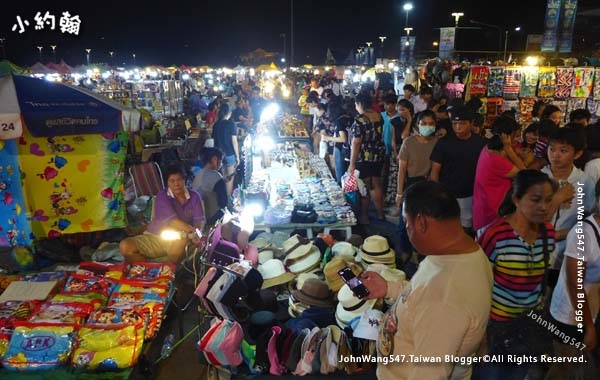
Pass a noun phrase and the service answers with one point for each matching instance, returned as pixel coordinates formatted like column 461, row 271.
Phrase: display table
column 327, row 228
column 287, row 177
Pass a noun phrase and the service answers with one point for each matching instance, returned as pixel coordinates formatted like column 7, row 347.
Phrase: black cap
column 461, row 113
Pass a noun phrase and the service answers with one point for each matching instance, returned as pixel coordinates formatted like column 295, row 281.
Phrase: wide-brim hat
column 264, row 256
column 302, row 277
column 331, row 269
column 261, row 244
column 388, row 274
column 350, row 306
column 274, row 273
column 343, row 248
column 301, row 260
column 296, row 244
column 314, row 292
column 376, row 249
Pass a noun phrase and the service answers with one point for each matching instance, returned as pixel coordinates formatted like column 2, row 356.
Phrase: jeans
column 341, row 165
column 229, row 160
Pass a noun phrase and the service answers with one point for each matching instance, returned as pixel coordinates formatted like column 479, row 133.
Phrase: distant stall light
column 532, row 61
column 269, row 112
column 391, row 65
column 185, row 77
column 347, row 72
column 89, row 73
column 50, row 78
column 356, row 78
column 105, row 75
column 396, row 69
column 216, row 88
column 316, row 72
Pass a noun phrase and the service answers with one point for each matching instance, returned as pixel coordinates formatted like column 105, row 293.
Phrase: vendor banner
column 447, row 37
column 495, row 84
column 547, row 82
column 583, row 82
column 15, row 229
column 569, row 11
column 51, row 109
column 550, row 39
column 529, row 81
column 73, row 183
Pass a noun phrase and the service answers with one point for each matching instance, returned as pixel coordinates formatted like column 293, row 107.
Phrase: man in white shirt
column 442, row 313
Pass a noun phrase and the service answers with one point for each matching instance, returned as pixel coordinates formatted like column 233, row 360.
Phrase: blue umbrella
column 55, row 109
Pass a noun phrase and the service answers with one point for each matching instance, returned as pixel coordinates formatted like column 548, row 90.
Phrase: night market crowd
column 527, row 195
column 492, row 221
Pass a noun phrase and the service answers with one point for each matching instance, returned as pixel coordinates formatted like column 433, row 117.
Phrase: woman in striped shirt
column 514, row 245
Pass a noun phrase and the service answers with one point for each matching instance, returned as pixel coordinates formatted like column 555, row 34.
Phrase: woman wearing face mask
column 497, row 165
column 414, row 164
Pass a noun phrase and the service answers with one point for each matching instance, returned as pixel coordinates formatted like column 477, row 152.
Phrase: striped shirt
column 518, row 268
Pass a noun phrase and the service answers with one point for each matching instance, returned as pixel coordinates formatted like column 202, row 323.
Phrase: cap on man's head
column 461, row 113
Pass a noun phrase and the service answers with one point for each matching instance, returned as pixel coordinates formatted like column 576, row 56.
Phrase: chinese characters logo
column 67, row 23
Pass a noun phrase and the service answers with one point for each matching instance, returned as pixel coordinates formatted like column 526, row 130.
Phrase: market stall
column 503, row 88
column 290, row 188
column 82, row 319
column 63, row 154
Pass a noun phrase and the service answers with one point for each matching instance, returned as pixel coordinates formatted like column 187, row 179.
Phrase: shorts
column 151, row 245
column 229, row 160
column 369, row 169
column 466, row 211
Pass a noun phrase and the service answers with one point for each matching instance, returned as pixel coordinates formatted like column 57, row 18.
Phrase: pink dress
column 491, row 185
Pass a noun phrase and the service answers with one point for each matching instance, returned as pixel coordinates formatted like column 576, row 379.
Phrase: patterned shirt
column 372, row 148
column 518, row 268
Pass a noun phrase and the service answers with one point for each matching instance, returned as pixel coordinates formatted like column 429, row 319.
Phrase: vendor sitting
column 175, row 208
column 210, row 183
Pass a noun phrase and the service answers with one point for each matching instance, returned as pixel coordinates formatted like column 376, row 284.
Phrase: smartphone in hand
column 358, row 288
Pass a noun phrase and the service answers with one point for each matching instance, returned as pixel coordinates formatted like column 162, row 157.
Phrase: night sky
column 215, row 32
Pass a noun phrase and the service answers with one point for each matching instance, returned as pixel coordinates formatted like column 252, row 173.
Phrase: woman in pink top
column 498, row 164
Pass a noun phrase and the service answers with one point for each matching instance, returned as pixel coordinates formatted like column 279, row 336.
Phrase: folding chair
column 147, row 179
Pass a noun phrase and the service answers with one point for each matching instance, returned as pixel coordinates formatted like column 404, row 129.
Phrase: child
column 546, row 129
column 303, row 104
column 576, row 188
column 525, row 147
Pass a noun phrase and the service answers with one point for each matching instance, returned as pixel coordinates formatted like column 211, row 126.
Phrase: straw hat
column 389, row 274
column 350, row 306
column 376, row 249
column 333, row 279
column 296, row 244
column 274, row 273
column 302, row 277
column 303, row 258
column 314, row 292
column 264, row 256
column 344, row 248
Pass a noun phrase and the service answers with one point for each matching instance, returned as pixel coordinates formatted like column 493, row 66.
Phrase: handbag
column 304, row 213
column 221, row 251
column 523, row 335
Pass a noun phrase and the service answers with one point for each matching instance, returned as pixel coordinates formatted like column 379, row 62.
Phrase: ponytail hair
column 523, row 181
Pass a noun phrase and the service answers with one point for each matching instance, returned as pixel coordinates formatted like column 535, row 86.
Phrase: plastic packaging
column 167, row 346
